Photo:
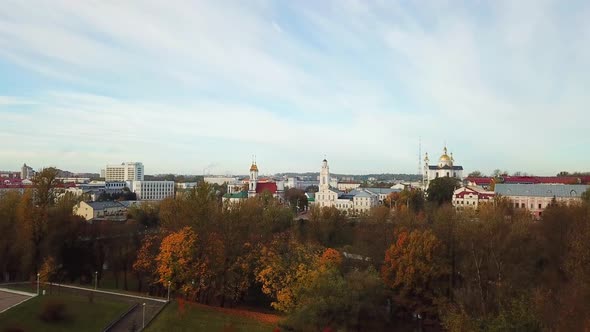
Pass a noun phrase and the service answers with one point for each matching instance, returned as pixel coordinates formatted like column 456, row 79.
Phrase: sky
column 193, row 87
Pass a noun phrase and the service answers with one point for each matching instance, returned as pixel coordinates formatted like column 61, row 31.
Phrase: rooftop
column 541, row 190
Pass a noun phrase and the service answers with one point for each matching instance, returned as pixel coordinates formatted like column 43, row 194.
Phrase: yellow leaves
column 176, row 256
column 410, row 261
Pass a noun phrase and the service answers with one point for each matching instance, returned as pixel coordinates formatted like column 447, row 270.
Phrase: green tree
column 440, row 190
column 475, row 174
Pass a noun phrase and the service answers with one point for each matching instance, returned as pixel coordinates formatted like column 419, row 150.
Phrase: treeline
column 424, row 265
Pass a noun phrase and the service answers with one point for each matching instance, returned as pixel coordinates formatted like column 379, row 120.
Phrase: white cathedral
column 445, row 168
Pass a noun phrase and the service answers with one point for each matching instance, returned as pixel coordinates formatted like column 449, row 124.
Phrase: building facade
column 536, row 197
column 152, row 190
column 471, row 197
column 26, row 172
column 256, row 186
column 358, row 200
column 92, row 211
column 129, row 171
column 445, row 168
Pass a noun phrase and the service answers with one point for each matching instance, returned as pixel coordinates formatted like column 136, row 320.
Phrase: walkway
column 11, row 298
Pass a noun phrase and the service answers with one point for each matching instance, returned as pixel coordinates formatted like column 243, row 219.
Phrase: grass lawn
column 81, row 314
column 198, row 317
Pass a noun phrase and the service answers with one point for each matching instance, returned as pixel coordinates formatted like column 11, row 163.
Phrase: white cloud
column 365, row 78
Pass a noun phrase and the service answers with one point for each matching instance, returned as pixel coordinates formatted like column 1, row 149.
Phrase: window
column 539, row 205
column 522, row 205
column 448, row 174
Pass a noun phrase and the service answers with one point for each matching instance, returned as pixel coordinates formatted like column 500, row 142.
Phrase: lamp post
column 169, row 282
column 38, row 275
column 95, row 279
column 143, row 319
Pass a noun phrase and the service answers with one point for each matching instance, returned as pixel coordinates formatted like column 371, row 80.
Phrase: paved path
column 9, row 298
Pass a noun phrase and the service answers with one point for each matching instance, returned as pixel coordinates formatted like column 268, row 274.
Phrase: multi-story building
column 92, row 211
column 152, row 190
column 536, row 197
column 130, row 171
column 220, row 180
column 26, row 172
column 471, row 197
column 347, row 185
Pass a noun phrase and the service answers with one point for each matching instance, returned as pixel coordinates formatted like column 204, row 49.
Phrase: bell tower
column 324, row 176
column 253, row 179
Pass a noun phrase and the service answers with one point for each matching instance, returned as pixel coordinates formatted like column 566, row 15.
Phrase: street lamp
column 169, row 282
column 95, row 279
column 38, row 275
column 143, row 319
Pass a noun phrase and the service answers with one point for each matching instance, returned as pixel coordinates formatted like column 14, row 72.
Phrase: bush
column 13, row 329
column 53, row 311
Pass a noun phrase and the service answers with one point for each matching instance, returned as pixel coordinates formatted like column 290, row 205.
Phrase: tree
column 180, row 262
column 10, row 252
column 475, row 174
column 413, row 269
column 586, row 196
column 296, row 198
column 145, row 264
column 440, row 190
column 284, row 267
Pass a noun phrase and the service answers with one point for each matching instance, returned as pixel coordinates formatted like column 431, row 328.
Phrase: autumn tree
column 413, row 269
column 284, row 266
column 10, row 252
column 145, row 265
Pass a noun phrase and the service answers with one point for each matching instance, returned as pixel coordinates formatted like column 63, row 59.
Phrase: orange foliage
column 331, row 258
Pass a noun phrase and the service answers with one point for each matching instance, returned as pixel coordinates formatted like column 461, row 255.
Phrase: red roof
column 264, row 186
column 480, row 181
column 533, row 179
column 480, row 195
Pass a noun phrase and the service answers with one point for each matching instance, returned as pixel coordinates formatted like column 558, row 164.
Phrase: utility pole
column 169, row 282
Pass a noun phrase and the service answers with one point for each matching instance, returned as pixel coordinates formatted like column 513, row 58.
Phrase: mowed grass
column 81, row 314
column 198, row 317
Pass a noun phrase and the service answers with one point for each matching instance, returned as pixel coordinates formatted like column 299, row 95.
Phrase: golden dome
column 445, row 157
column 253, row 168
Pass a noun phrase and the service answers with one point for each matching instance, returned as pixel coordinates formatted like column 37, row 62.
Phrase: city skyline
column 186, row 87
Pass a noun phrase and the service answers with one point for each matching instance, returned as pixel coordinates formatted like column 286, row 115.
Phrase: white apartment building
column 129, row 171
column 152, row 190
column 220, row 180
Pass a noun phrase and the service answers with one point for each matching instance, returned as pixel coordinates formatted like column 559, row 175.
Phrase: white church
column 445, row 168
column 359, row 200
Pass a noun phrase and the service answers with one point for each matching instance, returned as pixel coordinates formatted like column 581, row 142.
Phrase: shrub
column 13, row 329
column 53, row 311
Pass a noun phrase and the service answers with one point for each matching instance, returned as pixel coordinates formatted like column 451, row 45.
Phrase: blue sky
column 187, row 86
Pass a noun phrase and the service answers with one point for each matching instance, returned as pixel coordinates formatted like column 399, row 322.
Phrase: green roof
column 241, row 194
